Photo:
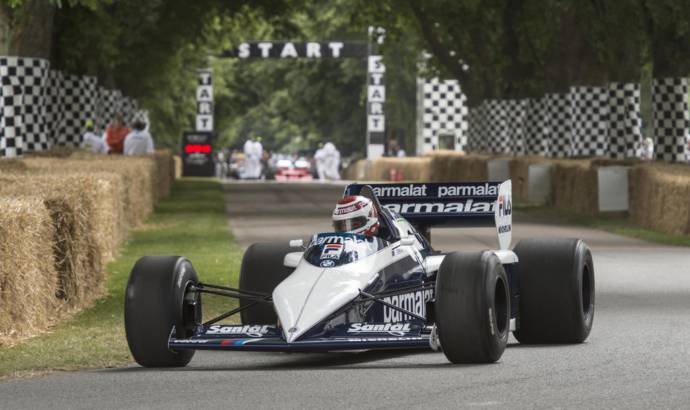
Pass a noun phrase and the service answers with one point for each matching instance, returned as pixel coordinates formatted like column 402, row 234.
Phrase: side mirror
column 296, row 243
column 407, row 241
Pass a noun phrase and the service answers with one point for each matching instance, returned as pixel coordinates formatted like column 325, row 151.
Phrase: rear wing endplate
column 465, row 204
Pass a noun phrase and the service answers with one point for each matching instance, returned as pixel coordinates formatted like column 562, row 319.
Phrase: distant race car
column 346, row 291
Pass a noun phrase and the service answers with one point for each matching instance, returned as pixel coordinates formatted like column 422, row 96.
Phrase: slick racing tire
column 472, row 307
column 556, row 291
column 262, row 270
column 154, row 303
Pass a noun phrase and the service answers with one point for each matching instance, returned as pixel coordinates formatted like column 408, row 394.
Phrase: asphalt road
column 637, row 356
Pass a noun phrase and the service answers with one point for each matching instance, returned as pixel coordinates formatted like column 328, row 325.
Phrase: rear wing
column 465, row 204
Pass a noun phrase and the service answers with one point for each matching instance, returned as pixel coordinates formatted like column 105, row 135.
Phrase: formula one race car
column 345, row 291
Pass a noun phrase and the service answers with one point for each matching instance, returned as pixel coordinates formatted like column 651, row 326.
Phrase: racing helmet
column 356, row 214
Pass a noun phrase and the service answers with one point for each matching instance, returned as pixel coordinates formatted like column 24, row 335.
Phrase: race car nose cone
column 311, row 294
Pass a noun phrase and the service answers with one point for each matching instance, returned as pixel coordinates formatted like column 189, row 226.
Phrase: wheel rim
column 586, row 290
column 501, row 306
column 191, row 312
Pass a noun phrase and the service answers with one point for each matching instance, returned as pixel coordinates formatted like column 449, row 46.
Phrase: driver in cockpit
column 356, row 214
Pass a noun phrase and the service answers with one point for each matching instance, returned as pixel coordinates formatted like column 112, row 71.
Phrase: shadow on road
column 310, row 361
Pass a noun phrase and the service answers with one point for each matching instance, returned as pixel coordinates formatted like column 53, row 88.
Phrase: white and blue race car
column 346, row 291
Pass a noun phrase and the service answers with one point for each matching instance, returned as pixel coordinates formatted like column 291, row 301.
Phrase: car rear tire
column 472, row 307
column 556, row 291
column 262, row 270
column 154, row 303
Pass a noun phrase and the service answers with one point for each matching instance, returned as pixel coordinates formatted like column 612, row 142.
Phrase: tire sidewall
column 495, row 340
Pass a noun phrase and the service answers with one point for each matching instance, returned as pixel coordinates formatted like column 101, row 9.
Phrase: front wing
column 268, row 338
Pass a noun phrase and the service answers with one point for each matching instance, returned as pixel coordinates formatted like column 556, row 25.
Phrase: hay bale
column 659, row 196
column 138, row 176
column 450, row 166
column 12, row 165
column 412, row 168
column 28, row 280
column 165, row 173
column 77, row 249
column 178, row 166
column 574, row 186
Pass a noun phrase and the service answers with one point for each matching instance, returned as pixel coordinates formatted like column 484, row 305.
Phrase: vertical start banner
column 204, row 101
column 376, row 97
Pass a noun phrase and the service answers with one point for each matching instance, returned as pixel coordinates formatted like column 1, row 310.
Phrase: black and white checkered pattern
column 536, row 134
column 478, row 120
column 589, row 117
column 79, row 105
column 11, row 123
column 444, row 112
column 24, row 83
column 557, row 125
column 671, row 118
column 516, row 115
column 33, row 76
column 109, row 104
column 625, row 120
column 41, row 107
column 129, row 108
column 55, row 91
column 497, row 122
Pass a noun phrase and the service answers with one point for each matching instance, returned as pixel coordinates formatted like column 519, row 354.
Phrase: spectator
column 331, row 162
column 648, row 149
column 93, row 142
column 139, row 141
column 394, row 149
column 115, row 135
column 320, row 160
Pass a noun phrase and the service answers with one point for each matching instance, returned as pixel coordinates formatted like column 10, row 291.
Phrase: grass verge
column 192, row 223
column 614, row 223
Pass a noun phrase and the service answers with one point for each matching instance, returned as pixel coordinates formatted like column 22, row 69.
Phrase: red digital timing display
column 197, row 148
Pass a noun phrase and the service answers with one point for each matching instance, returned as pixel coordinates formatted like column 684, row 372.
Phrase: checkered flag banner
column 23, row 82
column 589, row 118
column 79, row 105
column 625, row 120
column 478, row 139
column 43, row 107
column 671, row 118
column 55, row 109
column 516, row 116
column 109, row 104
column 536, row 141
column 444, row 113
column 557, row 125
column 11, row 141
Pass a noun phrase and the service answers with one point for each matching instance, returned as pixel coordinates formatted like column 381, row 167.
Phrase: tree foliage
column 522, row 48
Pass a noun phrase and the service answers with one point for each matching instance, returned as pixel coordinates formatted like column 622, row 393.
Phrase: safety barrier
column 62, row 220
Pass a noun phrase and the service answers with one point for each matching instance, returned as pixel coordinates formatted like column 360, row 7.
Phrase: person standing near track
column 259, row 154
column 115, row 135
column 331, row 162
column 139, row 141
column 320, row 161
column 93, row 142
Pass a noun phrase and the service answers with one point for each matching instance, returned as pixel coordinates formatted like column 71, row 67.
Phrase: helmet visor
column 347, row 225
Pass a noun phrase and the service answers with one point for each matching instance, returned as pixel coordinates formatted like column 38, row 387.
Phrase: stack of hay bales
column 28, row 280
column 575, row 187
column 660, row 197
column 451, row 166
column 412, row 169
column 63, row 219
